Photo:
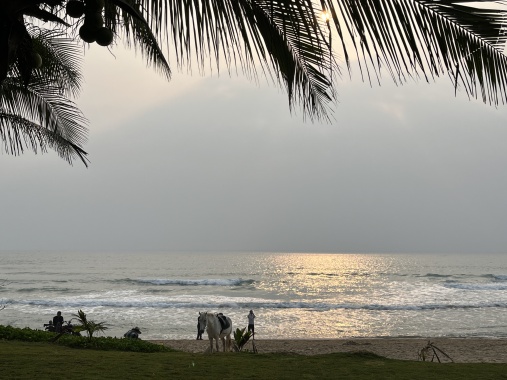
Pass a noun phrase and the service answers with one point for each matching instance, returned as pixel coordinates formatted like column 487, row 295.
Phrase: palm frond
column 429, row 38
column 18, row 133
column 298, row 45
column 126, row 19
column 87, row 325
column 44, row 15
column 287, row 37
column 61, row 60
column 42, row 102
column 41, row 116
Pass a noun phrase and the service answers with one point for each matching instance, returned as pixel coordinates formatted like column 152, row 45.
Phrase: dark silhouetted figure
column 251, row 317
column 133, row 333
column 199, row 331
column 58, row 322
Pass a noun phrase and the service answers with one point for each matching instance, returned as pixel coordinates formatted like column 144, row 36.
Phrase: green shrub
column 99, row 343
column 241, row 338
column 25, row 334
column 90, row 327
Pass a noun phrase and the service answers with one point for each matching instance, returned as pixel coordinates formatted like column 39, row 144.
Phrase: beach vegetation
column 91, row 327
column 294, row 43
column 431, row 352
column 241, row 338
column 9, row 333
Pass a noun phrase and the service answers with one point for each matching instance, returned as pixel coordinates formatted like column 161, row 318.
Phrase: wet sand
column 461, row 350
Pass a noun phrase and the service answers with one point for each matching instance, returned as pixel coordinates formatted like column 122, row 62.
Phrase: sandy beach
column 461, row 350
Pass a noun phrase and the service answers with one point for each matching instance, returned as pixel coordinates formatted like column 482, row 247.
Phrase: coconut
column 95, row 5
column 35, row 60
column 94, row 19
column 104, row 36
column 87, row 33
column 75, row 8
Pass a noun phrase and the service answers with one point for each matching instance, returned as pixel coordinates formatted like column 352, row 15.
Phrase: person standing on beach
column 251, row 317
column 199, row 331
column 58, row 322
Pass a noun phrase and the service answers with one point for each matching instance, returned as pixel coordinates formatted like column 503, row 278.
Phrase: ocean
column 294, row 295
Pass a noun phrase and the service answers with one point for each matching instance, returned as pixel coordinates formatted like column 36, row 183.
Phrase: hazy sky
column 207, row 163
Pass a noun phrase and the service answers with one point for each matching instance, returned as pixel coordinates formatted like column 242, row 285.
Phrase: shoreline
column 461, row 350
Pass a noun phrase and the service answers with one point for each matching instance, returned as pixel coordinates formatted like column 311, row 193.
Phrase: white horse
column 214, row 328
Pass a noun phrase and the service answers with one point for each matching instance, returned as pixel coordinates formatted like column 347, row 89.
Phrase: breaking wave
column 194, row 282
column 194, row 303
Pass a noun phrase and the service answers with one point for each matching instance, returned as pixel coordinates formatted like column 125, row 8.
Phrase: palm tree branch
column 43, row 15
column 61, row 60
column 43, row 104
column 297, row 47
column 124, row 17
column 17, row 133
column 425, row 37
column 286, row 36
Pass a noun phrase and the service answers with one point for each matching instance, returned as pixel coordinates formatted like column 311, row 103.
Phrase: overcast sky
column 213, row 164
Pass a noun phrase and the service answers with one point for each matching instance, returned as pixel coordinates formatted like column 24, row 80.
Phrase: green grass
column 29, row 354
column 42, row 360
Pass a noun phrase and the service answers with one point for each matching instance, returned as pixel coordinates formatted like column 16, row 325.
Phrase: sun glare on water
column 326, row 284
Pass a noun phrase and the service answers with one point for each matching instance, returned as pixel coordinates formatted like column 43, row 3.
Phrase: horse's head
column 203, row 318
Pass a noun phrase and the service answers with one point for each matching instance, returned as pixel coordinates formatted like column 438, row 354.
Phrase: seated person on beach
column 49, row 326
column 58, row 322
column 133, row 333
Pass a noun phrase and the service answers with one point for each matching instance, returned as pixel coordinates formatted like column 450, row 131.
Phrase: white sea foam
column 478, row 286
column 196, row 282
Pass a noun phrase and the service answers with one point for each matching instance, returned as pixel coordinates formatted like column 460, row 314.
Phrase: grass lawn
column 37, row 360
